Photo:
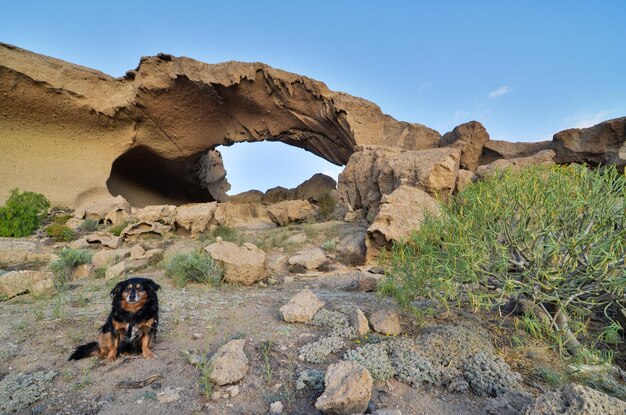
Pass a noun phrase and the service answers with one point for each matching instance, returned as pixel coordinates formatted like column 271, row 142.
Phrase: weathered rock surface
column 20, row 390
column 229, row 363
column 243, row 264
column 134, row 230
column 18, row 282
column 111, row 209
column 495, row 149
column 386, row 322
column 243, row 215
column 359, row 322
column 291, row 211
column 195, row 217
column 576, row 399
column 106, row 257
column 315, row 187
column 374, row 172
column 156, row 213
column 464, row 179
column 309, row 258
column 470, row 139
column 163, row 120
column 115, row 270
column 301, row 307
column 401, row 212
column 104, row 238
column 348, row 389
column 15, row 251
column 352, row 246
column 544, row 157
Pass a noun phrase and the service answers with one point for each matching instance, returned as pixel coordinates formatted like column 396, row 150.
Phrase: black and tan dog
column 132, row 324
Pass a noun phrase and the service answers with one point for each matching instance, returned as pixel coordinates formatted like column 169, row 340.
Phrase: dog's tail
column 84, row 350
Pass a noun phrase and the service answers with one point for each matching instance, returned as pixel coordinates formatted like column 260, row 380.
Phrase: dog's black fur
column 132, row 324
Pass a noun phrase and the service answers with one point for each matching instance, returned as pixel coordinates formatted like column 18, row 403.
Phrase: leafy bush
column 551, row 240
column 193, row 266
column 22, row 214
column 68, row 260
column 327, row 205
column 90, row 225
column 60, row 233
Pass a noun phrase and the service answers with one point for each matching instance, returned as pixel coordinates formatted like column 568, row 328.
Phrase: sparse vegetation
column 117, row 229
column 194, row 266
column 328, row 245
column 549, row 241
column 327, row 205
column 89, row 225
column 60, row 233
column 22, row 213
column 64, row 266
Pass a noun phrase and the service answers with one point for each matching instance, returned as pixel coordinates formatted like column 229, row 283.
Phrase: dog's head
column 133, row 293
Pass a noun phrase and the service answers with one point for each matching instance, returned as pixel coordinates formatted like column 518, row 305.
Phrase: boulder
column 243, row 264
column 604, row 143
column 212, row 175
column 291, row 211
column 310, row 258
column 135, row 230
column 106, row 257
column 573, row 399
column 352, row 247
column 195, row 217
column 243, row 215
column 401, row 212
column 302, row 307
column 470, row 139
column 386, row 322
column 74, row 223
column 104, row 238
column 464, row 179
column 348, row 389
column 156, row 213
column 374, row 172
column 114, row 209
column 495, row 149
column 544, row 157
column 229, row 364
column 19, row 282
column 316, row 186
column 275, row 262
column 359, row 322
column 115, row 270
column 251, row 196
column 278, row 194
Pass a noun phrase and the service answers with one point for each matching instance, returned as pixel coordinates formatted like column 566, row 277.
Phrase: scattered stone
column 216, row 396
column 359, row 322
column 18, row 391
column 386, row 322
column 196, row 336
column 242, row 264
column 229, row 363
column 573, row 399
column 310, row 258
column 276, row 408
column 301, row 307
column 115, row 271
column 168, row 395
column 19, row 282
column 81, row 271
column 348, row 389
column 367, row 282
column 107, row 257
column 232, row 390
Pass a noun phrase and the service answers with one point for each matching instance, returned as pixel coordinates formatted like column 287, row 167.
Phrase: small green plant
column 265, row 349
column 194, row 266
column 117, row 229
column 207, row 385
column 226, row 233
column 327, row 204
column 328, row 245
column 60, row 233
column 100, row 272
column 552, row 376
column 64, row 266
column 22, row 213
column 89, row 225
column 61, row 219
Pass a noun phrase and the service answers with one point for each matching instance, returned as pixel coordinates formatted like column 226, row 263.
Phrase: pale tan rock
column 105, row 258
column 296, row 239
column 401, row 212
column 229, row 364
column 242, row 215
column 14, row 251
column 359, row 322
column 464, row 179
column 291, row 211
column 134, row 230
column 374, row 172
column 275, row 262
column 302, row 307
column 195, row 217
column 316, row 186
column 544, row 157
column 470, row 139
column 19, row 282
column 212, row 175
column 104, row 238
column 74, row 223
column 309, row 258
column 156, row 213
column 243, row 264
column 496, row 149
column 81, row 271
column 99, row 209
column 276, row 408
column 348, row 389
column 115, row 271
column 386, row 322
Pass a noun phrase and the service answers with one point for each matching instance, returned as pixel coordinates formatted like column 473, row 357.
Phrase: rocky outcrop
column 470, row 139
column 575, row 399
column 348, row 389
column 110, row 209
column 315, row 187
column 18, row 282
column 310, row 189
column 495, row 150
column 401, row 212
column 242, row 264
column 308, row 259
column 376, row 171
column 291, row 211
column 146, row 136
column 544, row 157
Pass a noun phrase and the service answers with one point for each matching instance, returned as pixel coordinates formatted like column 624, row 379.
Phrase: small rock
column 387, row 412
column 137, row 252
column 242, row 264
column 348, row 389
column 196, row 336
column 386, row 322
column 168, row 395
column 359, row 322
column 301, row 307
column 368, row 282
column 230, row 363
column 216, row 396
column 233, row 391
column 288, row 279
column 115, row 271
column 276, row 408
column 297, row 239
column 310, row 258
column 106, row 257
column 81, row 271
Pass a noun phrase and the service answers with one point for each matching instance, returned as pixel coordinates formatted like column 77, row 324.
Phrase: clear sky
column 525, row 69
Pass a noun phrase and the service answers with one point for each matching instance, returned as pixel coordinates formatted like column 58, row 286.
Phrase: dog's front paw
column 147, row 354
column 109, row 359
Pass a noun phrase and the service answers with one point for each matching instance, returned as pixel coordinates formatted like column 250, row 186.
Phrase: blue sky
column 524, row 69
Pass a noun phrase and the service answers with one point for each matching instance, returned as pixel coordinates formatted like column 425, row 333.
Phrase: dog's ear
column 152, row 286
column 117, row 289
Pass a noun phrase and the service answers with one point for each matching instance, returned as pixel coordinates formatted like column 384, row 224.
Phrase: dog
column 132, row 324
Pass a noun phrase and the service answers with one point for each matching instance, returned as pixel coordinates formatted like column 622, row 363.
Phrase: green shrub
column 193, row 266
column 60, row 233
column 22, row 213
column 61, row 219
column 68, row 260
column 226, row 233
column 327, row 204
column 552, row 240
column 117, row 229
column 90, row 225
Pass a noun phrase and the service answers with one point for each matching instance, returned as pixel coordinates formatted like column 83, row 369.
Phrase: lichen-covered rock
column 576, row 399
column 470, row 139
column 18, row 282
column 508, row 403
column 229, row 364
column 310, row 258
column 386, row 322
column 348, row 389
column 18, row 391
column 301, row 307
column 243, row 264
